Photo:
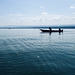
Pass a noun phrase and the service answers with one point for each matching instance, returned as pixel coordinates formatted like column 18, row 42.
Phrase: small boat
column 44, row 30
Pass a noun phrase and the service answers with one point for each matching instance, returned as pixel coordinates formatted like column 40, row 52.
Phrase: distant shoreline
column 39, row 27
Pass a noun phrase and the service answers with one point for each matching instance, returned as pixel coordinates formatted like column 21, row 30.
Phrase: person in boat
column 50, row 28
column 59, row 29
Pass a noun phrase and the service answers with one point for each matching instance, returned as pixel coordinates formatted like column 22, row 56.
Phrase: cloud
column 41, row 7
column 17, row 15
column 73, row 13
column 72, row 7
column 44, row 13
column 43, row 19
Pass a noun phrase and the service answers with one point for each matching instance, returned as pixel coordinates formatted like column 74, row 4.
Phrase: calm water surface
column 31, row 52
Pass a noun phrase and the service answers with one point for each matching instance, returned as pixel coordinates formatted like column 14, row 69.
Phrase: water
column 30, row 52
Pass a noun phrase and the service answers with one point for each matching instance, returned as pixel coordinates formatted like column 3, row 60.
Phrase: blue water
column 31, row 52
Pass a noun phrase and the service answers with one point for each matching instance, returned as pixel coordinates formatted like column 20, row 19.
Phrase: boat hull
column 51, row 30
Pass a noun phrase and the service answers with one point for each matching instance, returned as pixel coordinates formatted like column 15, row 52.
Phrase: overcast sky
column 37, row 12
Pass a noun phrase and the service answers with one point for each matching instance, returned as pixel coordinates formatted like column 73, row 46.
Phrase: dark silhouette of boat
column 45, row 30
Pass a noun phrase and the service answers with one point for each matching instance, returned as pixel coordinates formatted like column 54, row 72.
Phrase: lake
column 31, row 52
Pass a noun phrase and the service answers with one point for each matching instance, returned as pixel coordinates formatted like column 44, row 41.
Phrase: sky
column 37, row 12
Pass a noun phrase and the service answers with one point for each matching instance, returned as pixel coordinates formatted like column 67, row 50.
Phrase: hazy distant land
column 38, row 27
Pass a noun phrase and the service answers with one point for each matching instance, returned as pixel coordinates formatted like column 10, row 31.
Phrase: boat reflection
column 60, row 33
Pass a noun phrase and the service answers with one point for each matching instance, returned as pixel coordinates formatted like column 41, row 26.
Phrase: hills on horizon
column 37, row 27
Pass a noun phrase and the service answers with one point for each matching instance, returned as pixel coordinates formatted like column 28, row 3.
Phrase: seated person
column 50, row 28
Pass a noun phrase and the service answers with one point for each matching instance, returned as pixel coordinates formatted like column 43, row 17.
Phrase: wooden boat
column 44, row 30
